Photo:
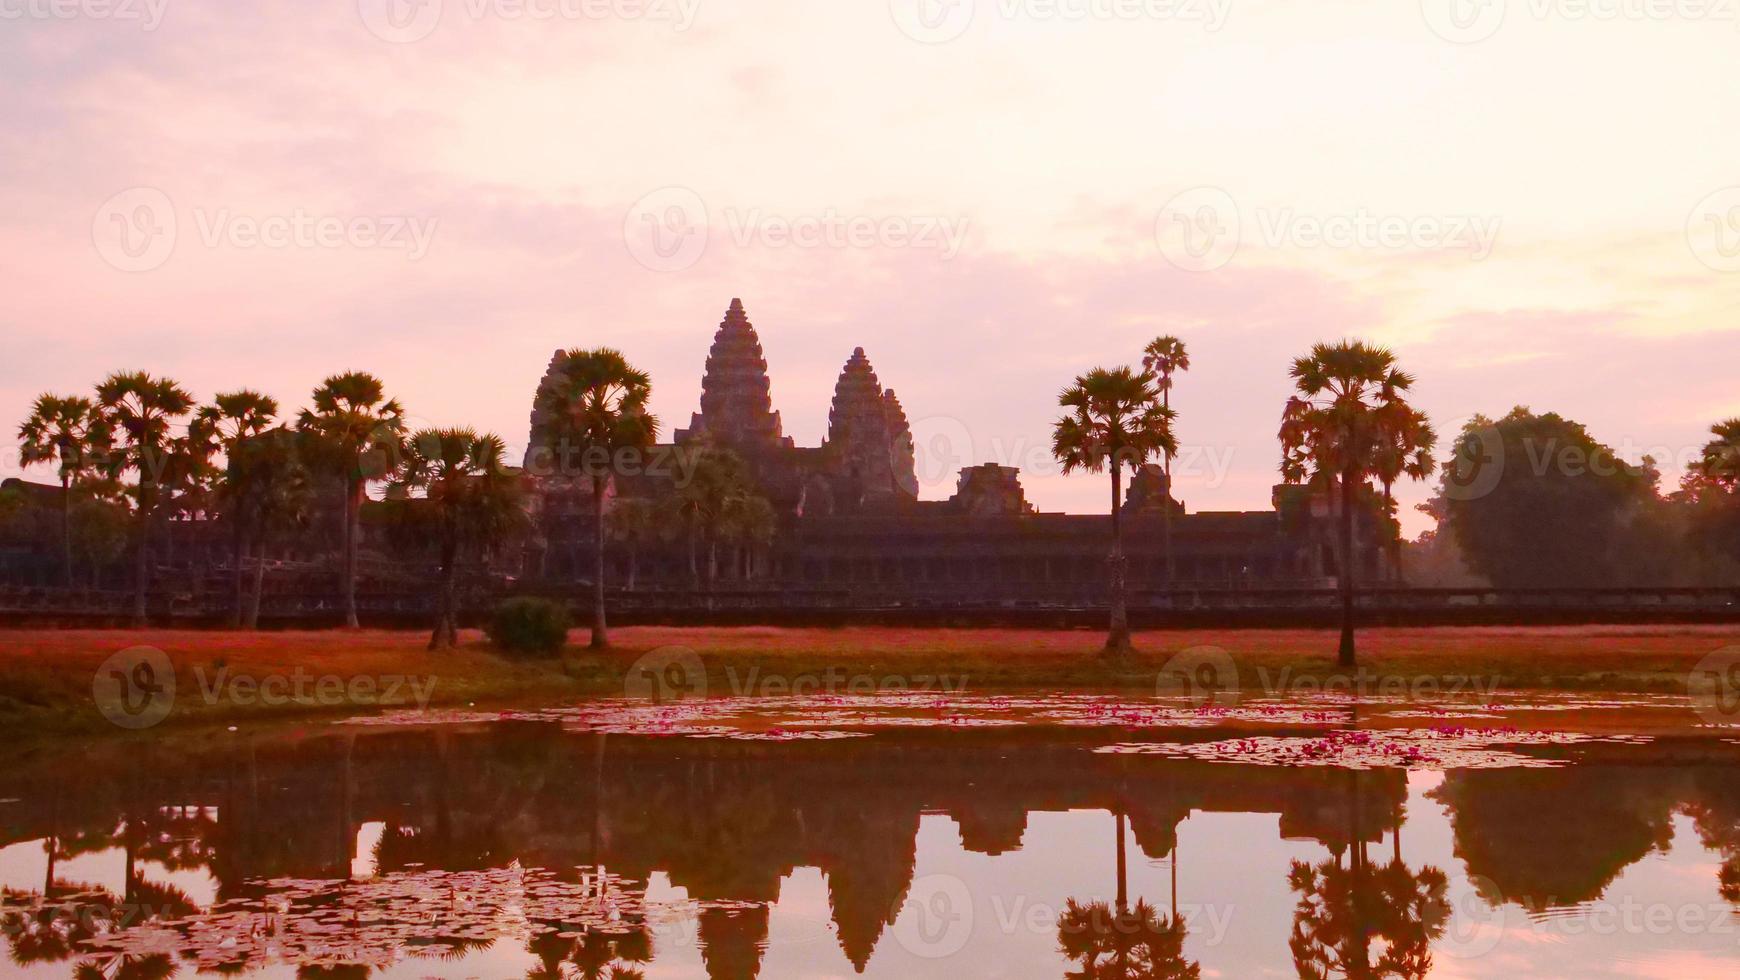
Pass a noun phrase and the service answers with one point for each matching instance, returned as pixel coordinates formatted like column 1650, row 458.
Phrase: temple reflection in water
column 521, row 850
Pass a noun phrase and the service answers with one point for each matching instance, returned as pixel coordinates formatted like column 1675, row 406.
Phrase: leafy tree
column 1163, row 357
column 1332, row 434
column 139, row 410
column 268, row 492
column 229, row 419
column 1708, row 501
column 1115, row 419
column 100, row 528
column 717, row 488
column 355, row 433
column 594, row 407
column 637, row 522
column 471, row 502
column 1534, row 501
column 748, row 523
column 72, row 433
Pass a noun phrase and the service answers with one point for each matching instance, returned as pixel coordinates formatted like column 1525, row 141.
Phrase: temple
column 849, row 517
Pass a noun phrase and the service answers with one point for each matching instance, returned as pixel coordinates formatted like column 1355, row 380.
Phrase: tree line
column 1524, row 500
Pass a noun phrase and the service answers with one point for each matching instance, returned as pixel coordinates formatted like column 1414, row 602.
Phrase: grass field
column 49, row 679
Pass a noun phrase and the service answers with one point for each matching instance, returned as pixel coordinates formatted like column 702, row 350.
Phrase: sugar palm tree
column 356, row 432
column 471, row 501
column 139, row 410
column 71, row 433
column 1115, row 419
column 1404, row 448
column 1163, row 357
column 229, row 419
column 268, row 492
column 1330, row 436
column 1123, row 943
column 595, row 407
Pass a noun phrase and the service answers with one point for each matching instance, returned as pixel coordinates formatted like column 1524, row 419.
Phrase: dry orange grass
column 46, row 676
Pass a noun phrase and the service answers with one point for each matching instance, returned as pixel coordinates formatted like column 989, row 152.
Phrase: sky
column 1532, row 202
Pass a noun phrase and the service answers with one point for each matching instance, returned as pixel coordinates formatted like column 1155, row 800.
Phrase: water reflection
column 523, row 850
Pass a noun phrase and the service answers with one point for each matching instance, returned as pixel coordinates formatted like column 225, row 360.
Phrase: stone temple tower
column 736, row 400
column 900, row 444
column 869, row 443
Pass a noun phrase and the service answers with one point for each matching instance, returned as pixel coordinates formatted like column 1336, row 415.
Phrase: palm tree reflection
column 1118, row 942
column 1350, row 910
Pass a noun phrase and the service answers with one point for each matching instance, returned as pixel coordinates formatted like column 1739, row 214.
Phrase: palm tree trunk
column 1395, row 543
column 141, row 558
column 238, row 551
column 352, row 529
column 445, row 636
column 694, row 560
column 66, row 564
column 1345, row 653
column 633, row 565
column 600, row 634
column 1118, row 636
column 1166, row 503
column 252, row 619
column 1123, row 880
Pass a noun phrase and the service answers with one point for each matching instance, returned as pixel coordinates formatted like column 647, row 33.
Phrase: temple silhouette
column 851, row 521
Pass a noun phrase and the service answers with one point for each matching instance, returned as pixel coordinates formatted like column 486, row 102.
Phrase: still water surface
column 1057, row 837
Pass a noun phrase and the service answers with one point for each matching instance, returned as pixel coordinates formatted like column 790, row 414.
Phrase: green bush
column 530, row 627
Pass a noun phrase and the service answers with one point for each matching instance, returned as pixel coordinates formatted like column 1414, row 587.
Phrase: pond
column 891, row 836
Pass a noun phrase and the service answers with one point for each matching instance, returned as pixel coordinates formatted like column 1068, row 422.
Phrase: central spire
column 736, row 400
